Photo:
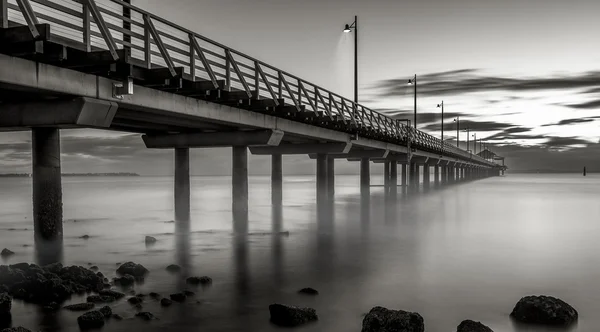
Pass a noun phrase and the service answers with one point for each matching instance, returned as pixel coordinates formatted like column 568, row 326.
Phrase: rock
column 199, row 280
column 308, row 291
column 126, row 280
column 52, row 306
column 112, row 293
column 99, row 299
column 285, row 315
column 138, row 306
column 6, row 253
column 91, row 320
column 134, row 300
column 117, row 317
column 165, row 302
column 150, row 240
column 380, row 319
column 544, row 310
column 85, row 237
column 94, row 268
column 15, row 329
column 173, row 268
column 99, row 274
column 154, row 295
column 5, row 304
column 145, row 316
column 106, row 312
column 140, row 295
column 472, row 326
column 178, row 297
column 80, row 306
column 188, row 293
column 136, row 270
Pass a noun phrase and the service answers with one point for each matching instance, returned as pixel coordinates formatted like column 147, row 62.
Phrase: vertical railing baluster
column 3, row 13
column 147, row 47
column 329, row 102
column 192, row 58
column 256, row 83
column 279, row 86
column 227, row 73
column 316, row 99
column 299, row 92
column 126, row 26
column 87, row 29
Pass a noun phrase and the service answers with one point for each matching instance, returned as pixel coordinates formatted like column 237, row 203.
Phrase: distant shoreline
column 26, row 175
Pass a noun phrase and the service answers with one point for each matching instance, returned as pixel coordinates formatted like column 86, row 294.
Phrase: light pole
column 347, row 29
column 475, row 143
column 413, row 81
column 480, row 145
column 441, row 105
column 468, row 134
column 457, row 120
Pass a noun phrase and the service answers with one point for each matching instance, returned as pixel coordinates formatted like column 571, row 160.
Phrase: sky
column 524, row 75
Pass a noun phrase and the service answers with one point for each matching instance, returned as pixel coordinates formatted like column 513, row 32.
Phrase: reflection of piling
column 584, row 171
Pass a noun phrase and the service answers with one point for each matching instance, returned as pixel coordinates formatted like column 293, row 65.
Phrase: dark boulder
column 112, row 293
column 117, row 317
column 150, row 240
column 52, row 306
column 154, row 295
column 165, row 302
column 15, row 329
column 6, row 253
column 5, row 304
column 173, row 268
column 285, row 315
column 106, row 312
column 100, row 299
column 308, row 291
column 204, row 280
column 126, row 280
column 544, row 310
column 178, row 297
column 188, row 293
column 85, row 237
column 91, row 320
column 80, row 306
column 145, row 316
column 138, row 306
column 95, row 269
column 472, row 326
column 380, row 319
column 134, row 300
column 136, row 270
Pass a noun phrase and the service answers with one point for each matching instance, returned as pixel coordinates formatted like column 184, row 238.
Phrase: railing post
column 147, row 47
column 227, row 73
column 3, row 13
column 126, row 26
column 299, row 92
column 279, row 85
column 256, row 83
column 192, row 58
column 87, row 38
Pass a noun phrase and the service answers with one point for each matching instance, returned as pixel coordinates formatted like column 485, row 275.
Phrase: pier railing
column 114, row 24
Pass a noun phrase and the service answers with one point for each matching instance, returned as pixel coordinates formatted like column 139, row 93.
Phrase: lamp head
column 410, row 81
column 439, row 105
column 347, row 28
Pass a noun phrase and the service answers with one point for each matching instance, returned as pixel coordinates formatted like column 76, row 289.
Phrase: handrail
column 158, row 42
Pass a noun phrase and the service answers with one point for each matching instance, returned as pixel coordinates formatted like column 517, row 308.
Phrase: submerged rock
column 99, row 299
column 381, row 319
column 15, row 329
column 308, row 291
column 154, row 295
column 173, row 268
column 204, row 280
column 188, row 293
column 90, row 320
column 165, row 302
column 285, row 315
column 95, row 269
column 472, row 326
column 134, row 300
column 544, row 310
column 5, row 304
column 145, row 315
column 52, row 306
column 80, row 306
column 150, row 240
column 85, row 237
column 126, row 280
column 117, row 317
column 112, row 293
column 136, row 270
column 5, row 253
column 178, row 297
column 106, row 312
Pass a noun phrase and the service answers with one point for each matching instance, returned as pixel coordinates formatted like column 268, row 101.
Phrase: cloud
column 587, row 105
column 474, row 126
column 572, row 121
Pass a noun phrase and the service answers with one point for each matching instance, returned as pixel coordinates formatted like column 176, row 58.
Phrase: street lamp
column 467, row 130
column 441, row 105
column 348, row 29
column 475, row 143
column 457, row 120
column 413, row 81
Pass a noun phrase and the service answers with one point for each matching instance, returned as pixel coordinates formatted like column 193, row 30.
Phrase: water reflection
column 48, row 252
column 277, row 245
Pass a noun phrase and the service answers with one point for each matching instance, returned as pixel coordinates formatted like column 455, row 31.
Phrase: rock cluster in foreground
column 546, row 310
column 381, row 319
column 472, row 326
column 286, row 315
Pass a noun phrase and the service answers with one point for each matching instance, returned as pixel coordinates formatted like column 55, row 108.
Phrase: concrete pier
column 426, row 171
column 276, row 180
column 436, row 175
column 417, row 176
column 412, row 182
column 239, row 189
column 404, row 177
column 47, row 186
column 182, row 184
column 393, row 180
column 331, row 178
column 444, row 178
column 386, row 177
column 365, row 177
column 321, row 178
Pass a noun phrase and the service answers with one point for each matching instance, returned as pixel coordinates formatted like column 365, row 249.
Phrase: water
column 468, row 251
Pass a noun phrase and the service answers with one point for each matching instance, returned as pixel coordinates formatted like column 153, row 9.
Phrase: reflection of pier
column 109, row 65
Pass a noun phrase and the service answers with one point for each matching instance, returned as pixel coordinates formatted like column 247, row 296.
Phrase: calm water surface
column 465, row 251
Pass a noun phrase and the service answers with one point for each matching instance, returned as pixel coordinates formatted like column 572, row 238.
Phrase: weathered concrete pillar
column 436, row 175
column 411, row 175
column 331, row 178
column 417, row 176
column 386, row 177
column 276, row 179
column 393, row 180
column 404, row 176
column 365, row 177
column 240, row 189
column 47, row 187
column 426, row 171
column 321, row 178
column 444, row 175
column 182, row 184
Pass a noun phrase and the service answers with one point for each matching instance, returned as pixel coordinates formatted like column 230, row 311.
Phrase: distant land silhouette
column 26, row 175
column 528, row 171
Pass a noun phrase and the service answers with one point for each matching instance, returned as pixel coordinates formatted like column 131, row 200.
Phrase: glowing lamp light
column 347, row 28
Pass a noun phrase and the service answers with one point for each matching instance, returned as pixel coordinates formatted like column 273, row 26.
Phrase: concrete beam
column 69, row 113
column 308, row 148
column 215, row 139
column 398, row 158
column 356, row 154
column 419, row 160
column 378, row 145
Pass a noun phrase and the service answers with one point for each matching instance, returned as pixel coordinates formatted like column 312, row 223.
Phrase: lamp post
column 441, row 105
column 475, row 143
column 413, row 81
column 467, row 130
column 457, row 120
column 347, row 29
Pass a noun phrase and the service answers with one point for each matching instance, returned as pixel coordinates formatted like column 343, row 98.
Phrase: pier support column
column 321, row 178
column 393, row 180
column 239, row 189
column 331, row 178
column 365, row 177
column 417, row 176
column 436, row 175
column 182, row 184
column 444, row 175
column 47, row 186
column 386, row 177
column 404, row 179
column 276, row 180
column 426, row 174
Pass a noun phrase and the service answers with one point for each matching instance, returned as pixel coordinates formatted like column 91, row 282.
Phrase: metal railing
column 155, row 42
